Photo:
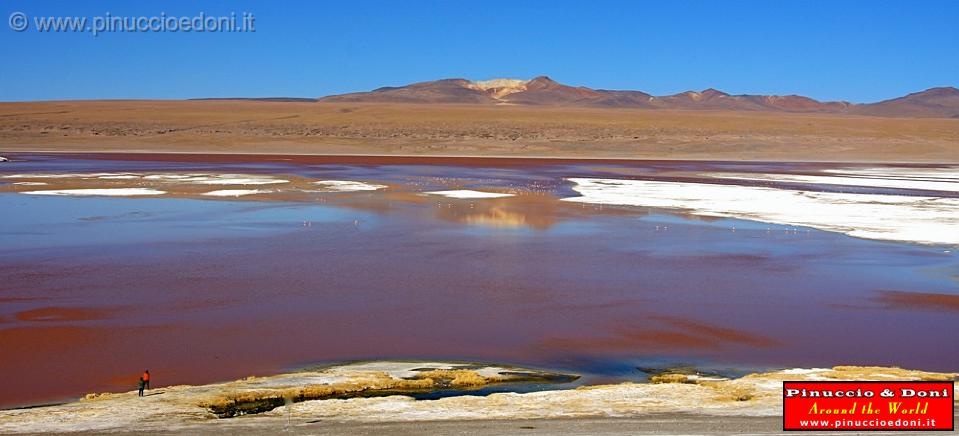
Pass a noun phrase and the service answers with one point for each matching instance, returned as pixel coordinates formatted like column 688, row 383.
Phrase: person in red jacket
column 146, row 379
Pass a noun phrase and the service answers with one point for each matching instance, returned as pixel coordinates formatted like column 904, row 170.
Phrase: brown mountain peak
column 542, row 82
column 941, row 101
column 939, row 91
column 543, row 79
column 713, row 92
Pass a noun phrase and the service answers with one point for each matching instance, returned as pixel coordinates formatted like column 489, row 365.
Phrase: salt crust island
column 914, row 205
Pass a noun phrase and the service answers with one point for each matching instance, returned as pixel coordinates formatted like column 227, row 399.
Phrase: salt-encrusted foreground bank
column 361, row 393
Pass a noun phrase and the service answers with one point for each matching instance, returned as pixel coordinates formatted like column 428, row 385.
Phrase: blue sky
column 859, row 51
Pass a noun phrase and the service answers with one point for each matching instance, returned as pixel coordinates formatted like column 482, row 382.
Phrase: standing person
column 142, row 383
column 146, row 378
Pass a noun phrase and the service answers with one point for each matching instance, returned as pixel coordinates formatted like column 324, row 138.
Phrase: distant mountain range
column 543, row 91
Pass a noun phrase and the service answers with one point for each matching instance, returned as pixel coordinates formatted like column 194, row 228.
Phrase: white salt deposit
column 58, row 175
column 347, row 185
column 946, row 185
column 197, row 178
column 804, row 371
column 395, row 369
column 235, row 192
column 930, row 220
column 235, row 179
column 109, row 192
column 704, row 378
column 468, row 193
column 171, row 176
column 941, row 173
column 120, row 177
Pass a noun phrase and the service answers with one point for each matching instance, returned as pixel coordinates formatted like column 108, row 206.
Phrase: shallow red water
column 93, row 291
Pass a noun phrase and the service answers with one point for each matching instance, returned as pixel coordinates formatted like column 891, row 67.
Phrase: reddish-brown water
column 94, row 290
